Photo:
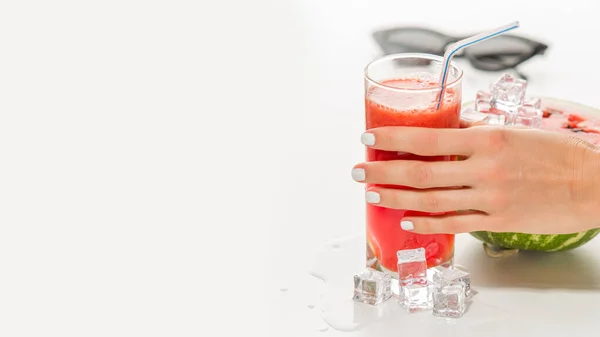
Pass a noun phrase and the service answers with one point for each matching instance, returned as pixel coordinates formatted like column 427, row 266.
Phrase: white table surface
column 167, row 167
column 528, row 295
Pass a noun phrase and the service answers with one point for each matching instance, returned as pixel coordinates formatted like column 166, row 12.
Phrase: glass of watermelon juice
column 402, row 90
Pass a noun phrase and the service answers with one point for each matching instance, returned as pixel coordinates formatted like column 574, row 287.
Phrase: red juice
column 386, row 107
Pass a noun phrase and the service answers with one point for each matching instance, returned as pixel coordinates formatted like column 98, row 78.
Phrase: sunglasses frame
column 382, row 39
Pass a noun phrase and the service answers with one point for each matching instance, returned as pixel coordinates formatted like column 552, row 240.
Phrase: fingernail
column 367, row 139
column 372, row 197
column 407, row 225
column 358, row 174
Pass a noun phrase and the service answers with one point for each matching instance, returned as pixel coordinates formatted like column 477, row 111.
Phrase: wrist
column 591, row 177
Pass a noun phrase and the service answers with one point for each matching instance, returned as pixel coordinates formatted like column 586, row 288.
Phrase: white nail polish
column 407, row 225
column 372, row 197
column 358, row 174
column 367, row 139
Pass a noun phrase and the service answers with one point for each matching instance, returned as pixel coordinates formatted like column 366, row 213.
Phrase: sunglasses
column 500, row 53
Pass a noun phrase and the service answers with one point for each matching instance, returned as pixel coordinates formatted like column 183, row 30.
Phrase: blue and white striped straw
column 465, row 43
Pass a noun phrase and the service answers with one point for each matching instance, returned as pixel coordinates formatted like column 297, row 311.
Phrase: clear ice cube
column 508, row 93
column 529, row 116
column 482, row 105
column 416, row 297
column 454, row 276
column 491, row 117
column 534, row 102
column 412, row 266
column 449, row 300
column 372, row 287
column 470, row 115
column 483, row 95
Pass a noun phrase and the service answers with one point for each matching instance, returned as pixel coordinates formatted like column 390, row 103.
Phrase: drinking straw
column 466, row 43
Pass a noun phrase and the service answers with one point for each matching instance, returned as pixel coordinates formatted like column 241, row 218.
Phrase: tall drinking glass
column 402, row 90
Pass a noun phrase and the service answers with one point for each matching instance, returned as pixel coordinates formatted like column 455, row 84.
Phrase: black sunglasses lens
column 413, row 41
column 499, row 53
column 497, row 62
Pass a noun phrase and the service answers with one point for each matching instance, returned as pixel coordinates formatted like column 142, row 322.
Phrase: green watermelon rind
column 536, row 242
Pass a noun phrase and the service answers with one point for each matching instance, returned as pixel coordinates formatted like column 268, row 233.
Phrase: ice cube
column 372, row 287
column 453, row 276
column 416, row 297
column 483, row 95
column 449, row 300
column 534, row 102
column 470, row 115
column 508, row 93
column 493, row 119
column 482, row 105
column 412, row 266
column 529, row 116
column 484, row 113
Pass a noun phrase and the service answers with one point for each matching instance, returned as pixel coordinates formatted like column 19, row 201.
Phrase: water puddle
column 337, row 262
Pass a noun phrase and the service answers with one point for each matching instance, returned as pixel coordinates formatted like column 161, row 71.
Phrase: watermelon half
column 557, row 116
column 536, row 242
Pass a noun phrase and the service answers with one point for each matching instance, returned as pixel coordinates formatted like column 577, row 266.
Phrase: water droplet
column 319, row 276
column 337, row 311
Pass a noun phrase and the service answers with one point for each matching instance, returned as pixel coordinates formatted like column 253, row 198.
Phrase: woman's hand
column 512, row 180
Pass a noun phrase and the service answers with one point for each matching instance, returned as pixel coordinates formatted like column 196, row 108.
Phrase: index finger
column 420, row 141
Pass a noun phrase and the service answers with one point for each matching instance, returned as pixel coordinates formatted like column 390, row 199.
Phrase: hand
column 512, row 180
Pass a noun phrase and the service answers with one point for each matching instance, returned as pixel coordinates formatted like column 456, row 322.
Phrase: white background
column 167, row 166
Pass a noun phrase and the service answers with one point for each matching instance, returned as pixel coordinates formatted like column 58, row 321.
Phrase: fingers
column 454, row 223
column 420, row 141
column 412, row 173
column 431, row 201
